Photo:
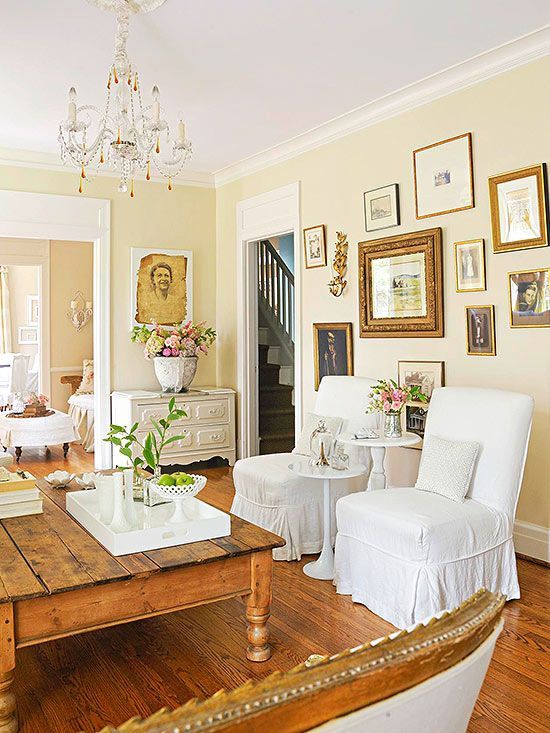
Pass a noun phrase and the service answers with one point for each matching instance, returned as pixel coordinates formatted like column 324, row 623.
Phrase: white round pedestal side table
column 378, row 449
column 323, row 567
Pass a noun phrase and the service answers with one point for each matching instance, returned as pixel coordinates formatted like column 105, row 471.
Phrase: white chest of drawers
column 207, row 431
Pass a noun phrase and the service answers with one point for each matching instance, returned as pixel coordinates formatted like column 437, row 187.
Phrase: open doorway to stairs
column 275, row 319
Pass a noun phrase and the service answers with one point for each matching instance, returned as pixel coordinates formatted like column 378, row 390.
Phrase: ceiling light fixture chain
column 131, row 135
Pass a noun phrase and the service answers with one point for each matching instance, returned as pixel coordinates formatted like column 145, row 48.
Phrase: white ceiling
column 247, row 74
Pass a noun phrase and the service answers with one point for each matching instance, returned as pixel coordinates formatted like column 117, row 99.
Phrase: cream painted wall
column 23, row 281
column 183, row 218
column 508, row 117
column 71, row 269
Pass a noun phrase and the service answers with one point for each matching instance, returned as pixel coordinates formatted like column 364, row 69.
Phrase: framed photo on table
column 381, row 207
column 443, row 177
column 480, row 330
column 315, row 246
column 470, row 265
column 401, row 286
column 161, row 286
column 519, row 209
column 529, row 296
column 332, row 350
column 428, row 375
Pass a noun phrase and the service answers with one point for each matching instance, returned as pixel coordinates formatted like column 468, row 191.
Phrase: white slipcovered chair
column 405, row 553
column 268, row 494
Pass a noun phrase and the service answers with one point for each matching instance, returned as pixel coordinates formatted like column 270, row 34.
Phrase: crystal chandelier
column 126, row 136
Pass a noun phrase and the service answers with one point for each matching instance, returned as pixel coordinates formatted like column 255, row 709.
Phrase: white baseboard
column 532, row 540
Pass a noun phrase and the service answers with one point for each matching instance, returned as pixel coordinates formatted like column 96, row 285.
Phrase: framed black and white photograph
column 480, row 330
column 443, row 177
column 428, row 375
column 470, row 266
column 332, row 350
column 315, row 246
column 382, row 207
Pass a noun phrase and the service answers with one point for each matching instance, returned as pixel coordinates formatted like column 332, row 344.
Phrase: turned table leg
column 65, row 449
column 18, row 452
column 258, row 607
column 8, row 708
column 378, row 476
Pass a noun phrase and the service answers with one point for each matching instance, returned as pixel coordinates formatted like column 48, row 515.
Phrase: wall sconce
column 339, row 265
column 81, row 311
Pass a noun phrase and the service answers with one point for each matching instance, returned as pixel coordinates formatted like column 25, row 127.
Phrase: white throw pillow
column 87, row 383
column 446, row 467
column 334, row 424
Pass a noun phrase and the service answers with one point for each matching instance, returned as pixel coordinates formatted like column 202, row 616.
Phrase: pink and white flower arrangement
column 32, row 398
column 184, row 339
column 388, row 397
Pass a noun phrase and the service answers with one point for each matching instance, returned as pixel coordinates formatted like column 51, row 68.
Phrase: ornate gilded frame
column 431, row 325
column 491, row 309
column 539, row 171
column 349, row 346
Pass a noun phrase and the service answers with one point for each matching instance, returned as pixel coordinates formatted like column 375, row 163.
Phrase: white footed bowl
column 178, row 494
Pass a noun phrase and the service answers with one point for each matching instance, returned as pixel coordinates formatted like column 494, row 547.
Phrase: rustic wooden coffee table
column 57, row 580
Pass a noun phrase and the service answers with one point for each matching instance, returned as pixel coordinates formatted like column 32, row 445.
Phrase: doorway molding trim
column 269, row 214
column 30, row 215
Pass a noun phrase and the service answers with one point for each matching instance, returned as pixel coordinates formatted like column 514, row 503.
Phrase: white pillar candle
column 72, row 105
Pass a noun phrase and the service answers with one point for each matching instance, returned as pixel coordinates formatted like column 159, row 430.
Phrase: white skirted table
column 378, row 449
column 56, row 429
column 323, row 567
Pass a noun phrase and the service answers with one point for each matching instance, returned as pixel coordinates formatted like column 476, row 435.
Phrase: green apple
column 167, row 480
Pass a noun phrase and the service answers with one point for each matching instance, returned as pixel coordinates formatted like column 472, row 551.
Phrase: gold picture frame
column 315, row 247
column 476, row 275
column 480, row 330
column 401, row 286
column 445, row 163
column 533, row 297
column 526, row 209
column 337, row 356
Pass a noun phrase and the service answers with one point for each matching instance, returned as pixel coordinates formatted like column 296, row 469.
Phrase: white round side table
column 378, row 449
column 323, row 567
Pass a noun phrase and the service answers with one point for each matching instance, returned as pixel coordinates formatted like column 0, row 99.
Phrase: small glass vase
column 392, row 425
column 150, row 495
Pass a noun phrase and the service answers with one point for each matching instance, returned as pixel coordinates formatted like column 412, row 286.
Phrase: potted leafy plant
column 146, row 453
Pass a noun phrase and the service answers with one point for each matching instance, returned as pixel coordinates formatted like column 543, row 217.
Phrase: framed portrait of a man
column 333, row 351
column 162, row 286
column 529, row 292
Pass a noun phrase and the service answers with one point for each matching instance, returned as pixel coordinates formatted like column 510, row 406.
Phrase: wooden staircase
column 276, row 411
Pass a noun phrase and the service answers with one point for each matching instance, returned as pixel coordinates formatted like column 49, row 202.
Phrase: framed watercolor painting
column 333, row 350
column 428, row 375
column 470, row 265
column 443, row 177
column 315, row 246
column 519, row 209
column 381, row 207
column 401, row 286
column 480, row 330
column 161, row 286
column 529, row 297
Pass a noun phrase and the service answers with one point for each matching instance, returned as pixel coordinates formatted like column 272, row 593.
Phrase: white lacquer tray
column 152, row 530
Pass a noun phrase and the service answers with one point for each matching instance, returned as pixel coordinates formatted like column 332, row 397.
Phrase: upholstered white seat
column 406, row 554
column 81, row 410
column 268, row 494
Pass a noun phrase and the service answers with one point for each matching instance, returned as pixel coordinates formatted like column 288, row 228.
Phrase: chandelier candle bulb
column 181, row 132
column 72, row 105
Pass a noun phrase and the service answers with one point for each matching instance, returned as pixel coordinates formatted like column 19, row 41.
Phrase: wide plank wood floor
column 87, row 681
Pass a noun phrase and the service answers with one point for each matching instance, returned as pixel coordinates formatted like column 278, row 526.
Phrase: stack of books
column 18, row 494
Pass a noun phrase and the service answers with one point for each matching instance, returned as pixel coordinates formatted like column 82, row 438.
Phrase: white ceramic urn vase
column 175, row 373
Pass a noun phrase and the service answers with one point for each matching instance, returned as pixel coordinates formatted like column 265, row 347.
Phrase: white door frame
column 30, row 215
column 270, row 214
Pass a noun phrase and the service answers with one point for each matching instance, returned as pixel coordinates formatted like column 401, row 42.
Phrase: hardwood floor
column 85, row 682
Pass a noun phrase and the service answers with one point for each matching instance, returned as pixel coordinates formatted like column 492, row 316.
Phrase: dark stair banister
column 276, row 287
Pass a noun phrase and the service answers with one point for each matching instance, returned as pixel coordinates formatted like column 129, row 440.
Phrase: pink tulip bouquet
column 388, row 397
column 184, row 339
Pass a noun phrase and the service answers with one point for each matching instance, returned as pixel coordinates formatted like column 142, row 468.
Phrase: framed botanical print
column 480, row 330
column 401, row 286
column 443, row 177
column 529, row 295
column 161, row 286
column 424, row 374
column 470, row 265
column 381, row 207
column 333, row 350
column 518, row 209
column 315, row 246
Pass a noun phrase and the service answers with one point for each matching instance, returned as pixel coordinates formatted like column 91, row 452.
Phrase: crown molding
column 479, row 68
column 50, row 162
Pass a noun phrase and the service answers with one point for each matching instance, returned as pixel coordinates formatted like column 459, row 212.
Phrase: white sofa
column 268, row 494
column 406, row 554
